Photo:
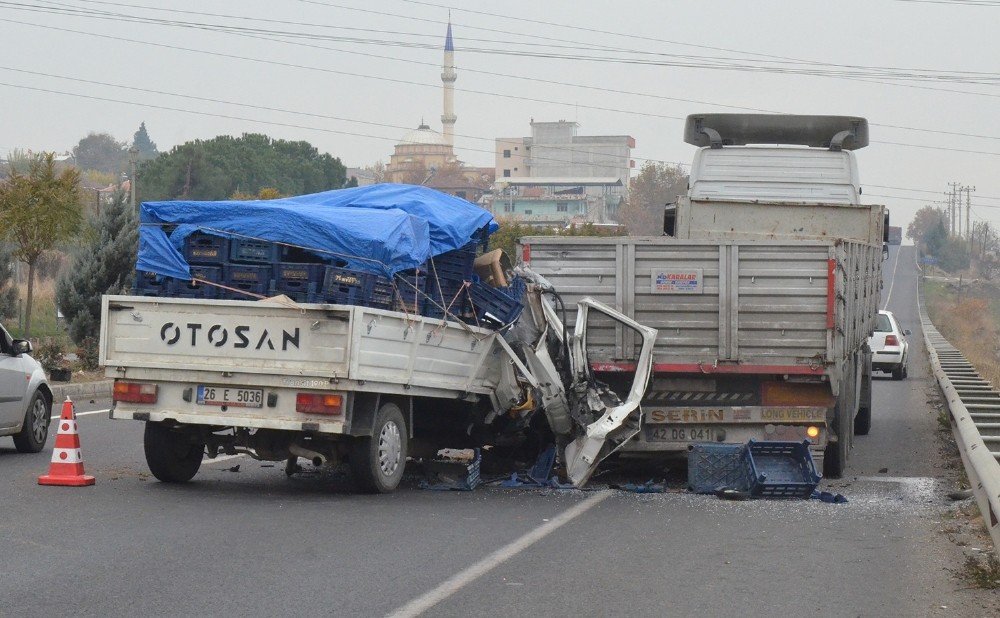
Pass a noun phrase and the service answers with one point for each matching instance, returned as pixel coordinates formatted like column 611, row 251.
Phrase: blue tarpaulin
column 382, row 228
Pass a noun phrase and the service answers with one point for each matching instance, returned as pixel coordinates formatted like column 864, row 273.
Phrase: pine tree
column 104, row 263
column 147, row 147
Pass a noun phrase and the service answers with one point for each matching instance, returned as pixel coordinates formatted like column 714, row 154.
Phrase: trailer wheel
column 378, row 460
column 172, row 456
column 863, row 422
column 833, row 460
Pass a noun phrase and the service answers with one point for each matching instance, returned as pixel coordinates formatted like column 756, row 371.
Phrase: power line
column 424, row 84
column 688, row 61
column 552, row 82
column 323, row 116
column 274, row 123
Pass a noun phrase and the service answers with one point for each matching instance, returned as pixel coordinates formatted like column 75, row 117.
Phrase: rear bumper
column 226, row 420
column 887, row 361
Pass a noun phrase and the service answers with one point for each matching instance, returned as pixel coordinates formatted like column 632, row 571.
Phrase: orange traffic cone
column 66, row 468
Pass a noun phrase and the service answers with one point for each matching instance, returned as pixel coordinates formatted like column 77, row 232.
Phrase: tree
column 953, row 255
column 103, row 264
column 266, row 193
column 924, row 223
column 8, row 289
column 215, row 169
column 102, row 152
column 37, row 211
column 351, row 183
column 377, row 170
column 656, row 185
column 145, row 146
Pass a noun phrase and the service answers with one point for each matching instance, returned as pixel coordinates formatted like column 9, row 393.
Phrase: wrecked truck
column 763, row 287
column 280, row 380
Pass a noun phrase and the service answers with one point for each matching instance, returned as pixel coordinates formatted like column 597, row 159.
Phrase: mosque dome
column 424, row 135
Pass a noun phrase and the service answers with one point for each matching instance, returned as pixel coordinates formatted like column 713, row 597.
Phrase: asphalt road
column 242, row 539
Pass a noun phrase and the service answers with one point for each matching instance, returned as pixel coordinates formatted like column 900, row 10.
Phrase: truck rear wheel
column 173, row 456
column 378, row 461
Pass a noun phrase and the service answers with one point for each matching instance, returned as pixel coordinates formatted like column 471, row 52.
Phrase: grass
column 970, row 319
column 43, row 314
column 982, row 572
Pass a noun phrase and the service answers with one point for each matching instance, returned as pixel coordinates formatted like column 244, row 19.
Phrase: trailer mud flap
column 619, row 421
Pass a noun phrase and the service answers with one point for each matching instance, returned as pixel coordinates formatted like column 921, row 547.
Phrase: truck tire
column 35, row 430
column 863, row 420
column 172, row 456
column 378, row 460
column 899, row 373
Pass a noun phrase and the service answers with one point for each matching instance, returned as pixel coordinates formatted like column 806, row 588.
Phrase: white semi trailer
column 763, row 289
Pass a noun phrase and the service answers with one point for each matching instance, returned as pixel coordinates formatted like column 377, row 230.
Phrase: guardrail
column 974, row 407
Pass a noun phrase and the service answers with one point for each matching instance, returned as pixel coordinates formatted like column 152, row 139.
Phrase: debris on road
column 453, row 470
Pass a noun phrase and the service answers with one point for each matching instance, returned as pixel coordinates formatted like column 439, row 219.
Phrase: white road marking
column 222, row 458
column 56, row 417
column 455, row 583
column 892, row 280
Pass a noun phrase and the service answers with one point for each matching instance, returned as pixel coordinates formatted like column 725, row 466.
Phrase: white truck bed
column 283, row 347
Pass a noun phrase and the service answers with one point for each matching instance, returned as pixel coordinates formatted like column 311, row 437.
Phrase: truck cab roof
column 775, row 174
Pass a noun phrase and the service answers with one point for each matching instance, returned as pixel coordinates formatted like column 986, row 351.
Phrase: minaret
column 448, row 77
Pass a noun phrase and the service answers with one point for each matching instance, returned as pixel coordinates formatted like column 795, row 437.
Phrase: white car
column 890, row 351
column 25, row 397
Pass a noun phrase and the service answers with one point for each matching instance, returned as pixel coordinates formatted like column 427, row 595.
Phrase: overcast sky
column 930, row 65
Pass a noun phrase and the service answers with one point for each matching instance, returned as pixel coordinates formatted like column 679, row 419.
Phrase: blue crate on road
column 446, row 474
column 782, row 469
column 200, row 248
column 251, row 251
column 713, row 466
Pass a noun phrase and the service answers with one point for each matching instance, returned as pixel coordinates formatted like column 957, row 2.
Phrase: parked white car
column 890, row 351
column 25, row 397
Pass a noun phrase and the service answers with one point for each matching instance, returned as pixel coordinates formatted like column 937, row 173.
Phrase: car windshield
column 882, row 324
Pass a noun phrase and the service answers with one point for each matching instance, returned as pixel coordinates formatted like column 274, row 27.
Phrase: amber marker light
column 812, row 431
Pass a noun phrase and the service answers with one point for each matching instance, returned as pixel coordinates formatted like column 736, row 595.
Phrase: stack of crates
column 447, row 274
column 246, row 269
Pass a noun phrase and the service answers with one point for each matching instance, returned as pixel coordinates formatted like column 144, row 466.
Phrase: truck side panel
column 764, row 303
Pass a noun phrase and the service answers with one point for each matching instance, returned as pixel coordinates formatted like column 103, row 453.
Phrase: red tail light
column 135, row 392
column 526, row 254
column 891, row 340
column 319, row 403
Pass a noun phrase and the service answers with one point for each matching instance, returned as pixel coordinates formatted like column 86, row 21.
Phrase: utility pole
column 968, row 210
column 133, row 155
column 952, row 198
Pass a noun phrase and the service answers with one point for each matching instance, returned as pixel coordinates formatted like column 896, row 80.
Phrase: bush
column 50, row 354
column 103, row 264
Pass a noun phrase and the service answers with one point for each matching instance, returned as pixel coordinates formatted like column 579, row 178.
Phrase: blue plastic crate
column 456, row 264
column 305, row 294
column 297, row 279
column 254, row 279
column 200, row 248
column 151, row 284
column 250, row 251
column 782, row 469
column 453, row 295
column 192, row 289
column 410, row 289
column 493, row 306
column 343, row 286
column 713, row 466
